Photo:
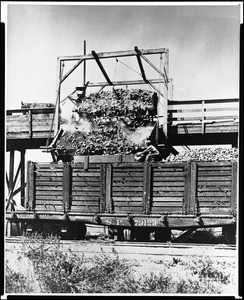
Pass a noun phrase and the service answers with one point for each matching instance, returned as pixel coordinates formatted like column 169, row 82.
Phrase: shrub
column 64, row 272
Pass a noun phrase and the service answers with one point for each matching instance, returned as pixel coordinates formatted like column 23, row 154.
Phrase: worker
column 149, row 154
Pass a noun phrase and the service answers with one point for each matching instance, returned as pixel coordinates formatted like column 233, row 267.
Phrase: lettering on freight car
column 108, row 222
column 145, row 222
column 119, row 222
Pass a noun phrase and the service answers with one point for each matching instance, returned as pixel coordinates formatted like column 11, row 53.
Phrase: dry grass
column 56, row 271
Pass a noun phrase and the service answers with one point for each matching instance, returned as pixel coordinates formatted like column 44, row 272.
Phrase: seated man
column 149, row 154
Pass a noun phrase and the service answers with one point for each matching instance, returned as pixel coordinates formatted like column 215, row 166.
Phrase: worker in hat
column 149, row 154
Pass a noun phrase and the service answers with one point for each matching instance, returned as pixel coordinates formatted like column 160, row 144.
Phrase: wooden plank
column 86, row 196
column 113, row 54
column 214, row 193
column 177, row 204
column 193, row 189
column 87, row 175
column 128, row 189
column 132, row 210
column 109, row 185
column 101, row 67
column 67, row 186
column 193, row 115
column 217, row 185
column 214, row 205
column 175, row 189
column 156, row 209
column 30, row 124
column 167, row 179
column 234, row 186
column 128, row 200
column 147, row 188
column 168, row 194
column 127, row 204
column 213, row 179
column 50, row 197
column 208, row 106
column 47, row 193
column 168, row 184
column 167, row 199
column 30, row 185
column 217, row 211
column 46, row 189
column 197, row 101
column 214, row 198
column 123, row 82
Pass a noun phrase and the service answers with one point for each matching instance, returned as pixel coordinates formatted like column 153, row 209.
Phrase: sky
column 203, row 43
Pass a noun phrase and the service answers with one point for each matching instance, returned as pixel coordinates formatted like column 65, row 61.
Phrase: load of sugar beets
column 120, row 122
column 116, row 121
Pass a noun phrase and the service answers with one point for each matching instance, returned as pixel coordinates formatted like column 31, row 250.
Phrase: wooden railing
column 208, row 114
column 28, row 123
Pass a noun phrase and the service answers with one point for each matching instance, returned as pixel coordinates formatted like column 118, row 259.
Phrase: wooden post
column 186, row 201
column 57, row 104
column 203, row 123
column 234, row 186
column 30, row 124
column 84, row 70
column 67, row 186
column 109, row 200
column 193, row 207
column 163, row 100
column 11, row 170
column 30, row 201
column 147, row 188
column 103, row 188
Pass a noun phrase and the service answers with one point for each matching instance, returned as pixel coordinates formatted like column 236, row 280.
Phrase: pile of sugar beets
column 205, row 154
column 114, row 116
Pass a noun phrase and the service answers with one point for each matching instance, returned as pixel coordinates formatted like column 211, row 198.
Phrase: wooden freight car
column 123, row 194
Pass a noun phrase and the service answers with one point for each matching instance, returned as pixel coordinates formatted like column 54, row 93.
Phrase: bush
column 64, row 272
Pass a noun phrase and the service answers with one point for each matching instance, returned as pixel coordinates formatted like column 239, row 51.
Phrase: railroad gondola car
column 117, row 192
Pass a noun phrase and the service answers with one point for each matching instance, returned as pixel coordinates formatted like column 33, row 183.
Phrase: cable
column 126, row 65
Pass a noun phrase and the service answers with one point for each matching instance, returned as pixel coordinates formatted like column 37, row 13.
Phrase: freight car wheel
column 162, row 235
column 229, row 233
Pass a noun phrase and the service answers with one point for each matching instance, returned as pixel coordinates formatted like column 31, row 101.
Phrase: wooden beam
column 193, row 207
column 30, row 201
column 109, row 182
column 67, row 186
column 44, row 110
column 7, row 180
column 101, row 67
column 163, row 99
column 71, row 70
column 138, row 56
column 147, row 188
column 234, row 186
column 22, row 176
column 186, row 201
column 30, row 124
column 153, row 66
column 57, row 103
column 113, row 54
column 16, row 176
column 11, row 170
column 102, row 207
column 128, row 82
column 20, row 189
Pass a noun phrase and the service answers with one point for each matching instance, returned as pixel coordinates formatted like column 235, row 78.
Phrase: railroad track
column 138, row 250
